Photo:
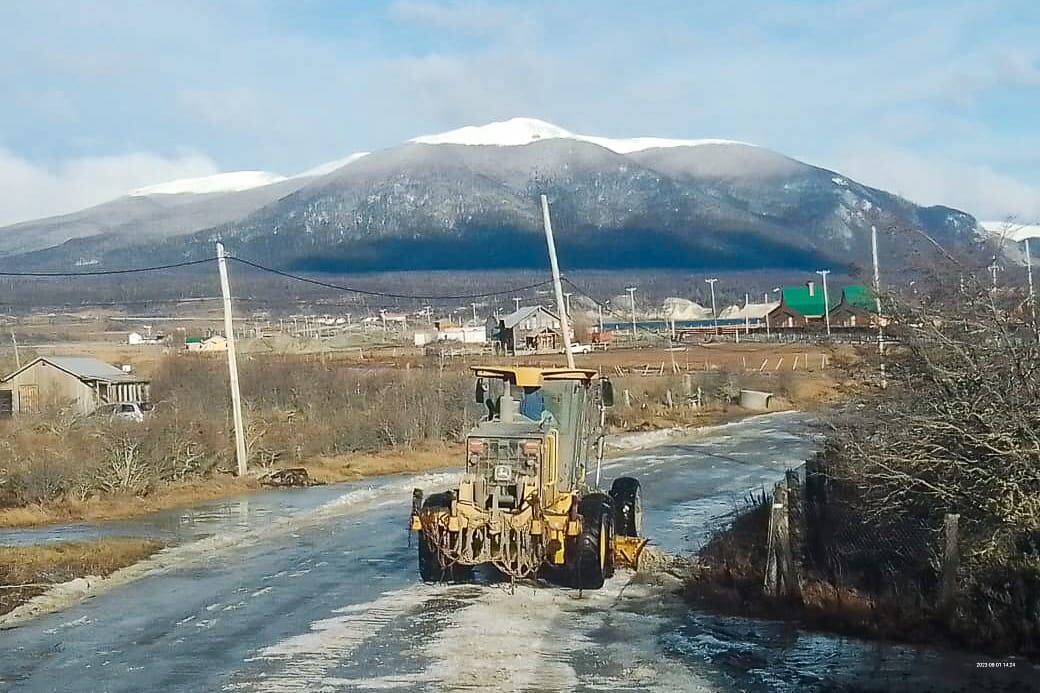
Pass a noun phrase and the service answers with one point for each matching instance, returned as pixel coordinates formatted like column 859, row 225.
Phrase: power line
column 101, row 273
column 384, row 294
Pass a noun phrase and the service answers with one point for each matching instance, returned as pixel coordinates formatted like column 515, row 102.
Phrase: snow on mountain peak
column 506, row 133
column 521, row 131
column 330, row 166
column 221, row 182
column 1011, row 230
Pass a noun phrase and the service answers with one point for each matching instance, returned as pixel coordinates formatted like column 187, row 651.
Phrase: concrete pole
column 474, row 313
column 826, row 300
column 557, row 286
column 516, row 300
column 236, row 395
column 600, row 306
column 747, row 317
column 567, row 299
column 714, row 311
column 632, row 301
column 877, row 299
column 17, row 356
column 1029, row 274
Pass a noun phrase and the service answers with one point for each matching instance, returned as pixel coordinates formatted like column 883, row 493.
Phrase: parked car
column 128, row 411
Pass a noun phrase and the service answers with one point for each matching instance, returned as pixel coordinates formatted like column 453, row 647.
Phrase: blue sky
column 935, row 100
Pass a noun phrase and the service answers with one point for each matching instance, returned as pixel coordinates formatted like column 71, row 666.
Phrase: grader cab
column 524, row 504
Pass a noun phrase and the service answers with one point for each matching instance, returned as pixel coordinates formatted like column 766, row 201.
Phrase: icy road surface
column 316, row 590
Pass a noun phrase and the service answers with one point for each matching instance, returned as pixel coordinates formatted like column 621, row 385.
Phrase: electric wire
column 102, row 273
column 385, row 294
column 280, row 273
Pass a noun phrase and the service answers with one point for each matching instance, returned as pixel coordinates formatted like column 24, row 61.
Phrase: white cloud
column 32, row 190
column 935, row 179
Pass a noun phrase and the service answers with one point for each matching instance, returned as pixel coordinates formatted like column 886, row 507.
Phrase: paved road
column 317, row 590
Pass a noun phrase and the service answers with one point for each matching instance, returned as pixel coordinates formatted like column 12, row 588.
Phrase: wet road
column 317, row 590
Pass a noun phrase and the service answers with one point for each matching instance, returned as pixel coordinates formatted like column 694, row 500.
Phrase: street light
column 632, row 301
column 517, row 300
column 826, row 302
column 475, row 321
column 714, row 313
column 567, row 297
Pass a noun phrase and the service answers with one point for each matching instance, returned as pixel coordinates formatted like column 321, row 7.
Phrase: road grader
column 524, row 504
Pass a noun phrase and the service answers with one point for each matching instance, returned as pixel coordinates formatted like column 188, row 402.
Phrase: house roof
column 194, row 340
column 752, row 311
column 84, row 368
column 799, row 299
column 518, row 316
column 859, row 296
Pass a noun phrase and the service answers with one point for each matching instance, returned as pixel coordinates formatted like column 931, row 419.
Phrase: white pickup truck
column 581, row 348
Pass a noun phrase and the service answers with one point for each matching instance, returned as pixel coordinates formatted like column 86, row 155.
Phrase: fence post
column 628, row 399
column 668, row 397
column 951, row 561
column 687, row 385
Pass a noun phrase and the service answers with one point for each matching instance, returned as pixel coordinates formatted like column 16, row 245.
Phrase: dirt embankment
column 27, row 571
column 324, row 470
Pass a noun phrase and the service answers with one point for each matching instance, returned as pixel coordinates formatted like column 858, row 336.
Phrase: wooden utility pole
column 17, row 357
column 236, row 395
column 714, row 312
column 557, row 285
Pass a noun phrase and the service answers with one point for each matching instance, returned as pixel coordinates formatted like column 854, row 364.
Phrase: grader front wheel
column 591, row 558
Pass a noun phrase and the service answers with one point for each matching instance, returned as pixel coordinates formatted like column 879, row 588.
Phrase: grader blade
column 627, row 551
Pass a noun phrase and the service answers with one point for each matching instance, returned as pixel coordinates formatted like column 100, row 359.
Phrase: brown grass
column 37, row 567
column 338, row 468
column 123, row 506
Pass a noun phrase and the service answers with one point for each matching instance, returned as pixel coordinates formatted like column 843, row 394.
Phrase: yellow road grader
column 524, row 504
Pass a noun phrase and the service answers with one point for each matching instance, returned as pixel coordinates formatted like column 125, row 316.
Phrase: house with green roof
column 801, row 305
column 857, row 308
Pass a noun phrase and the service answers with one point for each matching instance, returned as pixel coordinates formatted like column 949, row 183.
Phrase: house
column 857, row 308
column 58, row 381
column 799, row 305
column 213, row 343
column 530, row 328
column 136, row 339
column 752, row 314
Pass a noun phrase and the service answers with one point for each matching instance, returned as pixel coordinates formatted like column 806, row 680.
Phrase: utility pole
column 236, row 395
column 567, row 297
column 1029, row 273
column 17, row 357
column 877, row 299
column 747, row 315
column 826, row 300
column 474, row 313
column 714, row 312
column 993, row 268
column 516, row 300
column 600, row 307
column 632, row 301
column 429, row 314
column 557, row 286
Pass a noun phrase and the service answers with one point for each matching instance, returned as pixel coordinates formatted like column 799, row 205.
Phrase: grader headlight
column 531, row 448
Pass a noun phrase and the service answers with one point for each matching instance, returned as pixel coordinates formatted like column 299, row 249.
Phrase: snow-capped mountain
column 1012, row 230
column 235, row 181
column 468, row 198
column 520, row 131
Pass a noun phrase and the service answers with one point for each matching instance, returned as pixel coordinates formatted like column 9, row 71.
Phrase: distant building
column 213, row 343
column 136, row 338
column 82, row 383
column 801, row 306
column 857, row 308
column 529, row 329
